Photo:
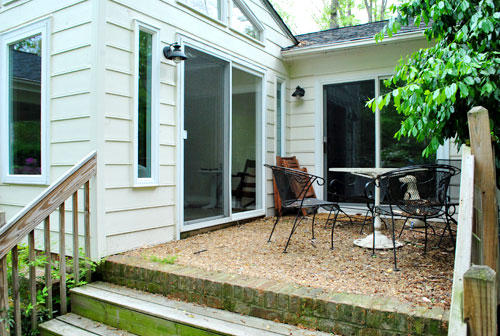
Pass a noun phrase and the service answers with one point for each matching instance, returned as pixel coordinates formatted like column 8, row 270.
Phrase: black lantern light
column 175, row 54
column 299, row 92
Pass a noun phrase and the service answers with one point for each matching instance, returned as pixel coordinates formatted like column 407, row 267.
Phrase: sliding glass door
column 350, row 132
column 222, row 111
column 206, row 130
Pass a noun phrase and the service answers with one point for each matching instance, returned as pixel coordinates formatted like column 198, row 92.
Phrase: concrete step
column 148, row 314
column 74, row 325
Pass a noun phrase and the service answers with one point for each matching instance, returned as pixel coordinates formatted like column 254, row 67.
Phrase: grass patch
column 167, row 260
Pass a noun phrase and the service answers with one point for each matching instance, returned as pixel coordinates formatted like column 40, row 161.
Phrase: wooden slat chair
column 245, row 191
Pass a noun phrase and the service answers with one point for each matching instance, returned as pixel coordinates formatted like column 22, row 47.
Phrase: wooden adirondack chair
column 289, row 162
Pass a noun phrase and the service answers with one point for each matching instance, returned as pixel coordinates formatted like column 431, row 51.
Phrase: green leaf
column 469, row 80
column 464, row 91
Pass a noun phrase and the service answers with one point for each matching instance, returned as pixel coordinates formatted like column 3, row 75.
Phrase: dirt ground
column 423, row 280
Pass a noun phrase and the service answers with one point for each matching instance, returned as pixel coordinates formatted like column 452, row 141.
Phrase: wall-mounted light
column 175, row 54
column 299, row 92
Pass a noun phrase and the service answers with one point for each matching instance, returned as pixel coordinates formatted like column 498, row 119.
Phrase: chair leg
column 295, row 224
column 274, row 226
column 425, row 241
column 373, row 230
column 364, row 222
column 333, row 226
column 312, row 224
column 403, row 227
column 394, row 244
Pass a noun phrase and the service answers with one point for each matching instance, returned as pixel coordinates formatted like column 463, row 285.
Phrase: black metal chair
column 418, row 192
column 349, row 189
column 452, row 199
column 293, row 187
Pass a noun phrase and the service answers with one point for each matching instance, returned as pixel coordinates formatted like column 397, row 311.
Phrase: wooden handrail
column 36, row 212
column 24, row 224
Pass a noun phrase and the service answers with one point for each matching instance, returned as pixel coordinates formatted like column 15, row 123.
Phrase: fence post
column 484, row 177
column 480, row 304
column 4, row 289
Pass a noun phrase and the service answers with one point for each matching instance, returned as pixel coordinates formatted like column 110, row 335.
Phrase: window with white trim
column 244, row 21
column 211, row 8
column 280, row 118
column 24, row 104
column 146, row 106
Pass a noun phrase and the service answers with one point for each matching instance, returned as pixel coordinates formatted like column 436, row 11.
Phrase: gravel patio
column 423, row 280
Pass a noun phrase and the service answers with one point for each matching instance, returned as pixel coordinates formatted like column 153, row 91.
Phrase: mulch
column 423, row 279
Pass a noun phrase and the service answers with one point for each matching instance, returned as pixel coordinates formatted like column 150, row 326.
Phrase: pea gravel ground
column 423, row 279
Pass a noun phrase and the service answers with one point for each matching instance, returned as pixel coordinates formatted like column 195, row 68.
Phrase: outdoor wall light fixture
column 299, row 92
column 176, row 55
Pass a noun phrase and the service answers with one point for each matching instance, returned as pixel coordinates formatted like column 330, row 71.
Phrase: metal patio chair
column 418, row 192
column 293, row 187
column 352, row 188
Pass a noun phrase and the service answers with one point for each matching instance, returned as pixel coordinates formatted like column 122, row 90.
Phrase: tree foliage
column 336, row 13
column 435, row 87
column 286, row 16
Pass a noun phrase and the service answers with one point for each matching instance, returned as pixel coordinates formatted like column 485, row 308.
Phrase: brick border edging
column 325, row 310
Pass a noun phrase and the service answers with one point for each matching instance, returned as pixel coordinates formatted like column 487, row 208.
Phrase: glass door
column 349, row 128
column 206, row 149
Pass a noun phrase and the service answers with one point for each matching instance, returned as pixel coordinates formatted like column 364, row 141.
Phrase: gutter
column 315, row 49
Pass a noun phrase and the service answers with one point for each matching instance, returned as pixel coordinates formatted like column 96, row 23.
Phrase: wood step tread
column 75, row 325
column 210, row 319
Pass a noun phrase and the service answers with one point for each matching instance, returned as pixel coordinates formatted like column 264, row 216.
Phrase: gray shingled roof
column 27, row 66
column 345, row 34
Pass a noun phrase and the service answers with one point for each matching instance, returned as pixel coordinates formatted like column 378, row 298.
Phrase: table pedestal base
column 381, row 242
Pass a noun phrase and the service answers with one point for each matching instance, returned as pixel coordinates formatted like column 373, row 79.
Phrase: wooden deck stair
column 101, row 308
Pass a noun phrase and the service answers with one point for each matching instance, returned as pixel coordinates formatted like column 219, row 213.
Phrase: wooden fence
column 474, row 302
column 23, row 225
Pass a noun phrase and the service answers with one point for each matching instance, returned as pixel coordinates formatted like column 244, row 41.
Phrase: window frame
column 254, row 69
column 6, row 39
column 155, row 75
column 243, row 7
column 282, row 131
column 223, row 11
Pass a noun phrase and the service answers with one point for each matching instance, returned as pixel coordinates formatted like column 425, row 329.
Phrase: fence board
column 457, row 325
column 481, row 148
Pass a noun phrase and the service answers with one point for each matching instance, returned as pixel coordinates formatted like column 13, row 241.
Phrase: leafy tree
column 375, row 9
column 436, row 86
column 287, row 17
column 336, row 13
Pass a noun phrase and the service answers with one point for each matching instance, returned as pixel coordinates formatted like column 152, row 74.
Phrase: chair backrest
column 349, row 188
column 418, row 190
column 293, row 184
column 454, row 188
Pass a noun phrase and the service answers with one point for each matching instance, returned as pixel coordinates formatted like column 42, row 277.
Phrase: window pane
column 278, row 120
column 241, row 23
column 396, row 153
column 144, row 106
column 350, row 130
column 245, row 106
column 206, row 147
column 25, row 77
column 211, row 8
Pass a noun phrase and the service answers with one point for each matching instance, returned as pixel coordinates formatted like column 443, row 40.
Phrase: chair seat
column 309, row 203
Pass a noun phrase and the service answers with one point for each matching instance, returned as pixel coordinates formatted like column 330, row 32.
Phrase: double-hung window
column 146, row 106
column 24, row 104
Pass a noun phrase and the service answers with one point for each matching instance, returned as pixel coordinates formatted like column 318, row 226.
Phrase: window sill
column 25, row 180
column 248, row 37
column 205, row 16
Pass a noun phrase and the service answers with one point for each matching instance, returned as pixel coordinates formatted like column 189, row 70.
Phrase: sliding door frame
column 233, row 62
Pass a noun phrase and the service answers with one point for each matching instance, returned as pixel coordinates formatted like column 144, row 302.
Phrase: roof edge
column 315, row 49
column 280, row 21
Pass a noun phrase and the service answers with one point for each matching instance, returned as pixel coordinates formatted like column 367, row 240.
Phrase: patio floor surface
column 423, row 280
